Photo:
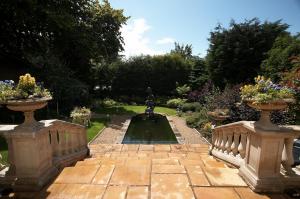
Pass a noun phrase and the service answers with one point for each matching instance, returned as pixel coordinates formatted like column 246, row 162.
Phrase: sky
column 155, row 25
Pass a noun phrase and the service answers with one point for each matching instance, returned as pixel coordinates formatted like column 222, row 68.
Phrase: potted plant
column 266, row 97
column 26, row 96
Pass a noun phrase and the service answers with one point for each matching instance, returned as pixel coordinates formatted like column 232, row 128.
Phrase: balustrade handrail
column 53, row 124
column 229, row 142
column 225, row 139
column 63, row 142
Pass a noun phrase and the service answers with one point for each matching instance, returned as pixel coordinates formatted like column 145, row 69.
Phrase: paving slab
column 131, row 175
column 215, row 193
column 86, row 191
column 167, row 186
column 168, row 161
column 224, row 177
column 103, row 175
column 168, row 168
column 196, row 175
column 163, row 147
column 77, row 174
column 138, row 192
column 115, row 192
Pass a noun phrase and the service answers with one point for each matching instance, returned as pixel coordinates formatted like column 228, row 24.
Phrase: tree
column 60, row 40
column 281, row 56
column 235, row 54
column 133, row 76
column 184, row 50
column 199, row 74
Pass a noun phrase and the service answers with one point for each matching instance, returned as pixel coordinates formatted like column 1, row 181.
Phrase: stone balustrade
column 67, row 140
column 229, row 143
column 265, row 158
column 36, row 155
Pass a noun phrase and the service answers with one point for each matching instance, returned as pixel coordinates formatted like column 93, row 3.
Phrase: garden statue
column 150, row 103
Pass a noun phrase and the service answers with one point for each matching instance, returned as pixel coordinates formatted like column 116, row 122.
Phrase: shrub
column 206, row 130
column 109, row 102
column 197, row 119
column 176, row 102
column 194, row 106
column 183, row 90
column 81, row 116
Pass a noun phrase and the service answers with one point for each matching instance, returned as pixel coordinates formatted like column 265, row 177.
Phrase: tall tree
column 184, row 50
column 281, row 56
column 61, row 42
column 199, row 74
column 235, row 54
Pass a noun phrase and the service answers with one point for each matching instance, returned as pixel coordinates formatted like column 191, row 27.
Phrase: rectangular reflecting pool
column 143, row 130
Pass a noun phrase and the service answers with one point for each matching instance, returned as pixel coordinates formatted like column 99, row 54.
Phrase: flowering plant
column 265, row 91
column 25, row 89
column 81, row 116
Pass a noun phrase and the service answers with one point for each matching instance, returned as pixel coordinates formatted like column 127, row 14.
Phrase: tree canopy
column 60, row 42
column 235, row 53
column 281, row 56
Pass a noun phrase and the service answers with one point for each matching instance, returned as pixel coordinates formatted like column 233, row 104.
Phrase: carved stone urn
column 265, row 109
column 217, row 118
column 28, row 106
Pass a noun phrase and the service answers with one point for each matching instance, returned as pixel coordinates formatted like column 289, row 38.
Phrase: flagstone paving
column 116, row 171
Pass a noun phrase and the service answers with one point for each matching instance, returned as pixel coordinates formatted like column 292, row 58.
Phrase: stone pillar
column 31, row 153
column 261, row 169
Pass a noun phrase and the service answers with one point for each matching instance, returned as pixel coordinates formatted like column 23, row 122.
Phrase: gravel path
column 110, row 134
column 190, row 135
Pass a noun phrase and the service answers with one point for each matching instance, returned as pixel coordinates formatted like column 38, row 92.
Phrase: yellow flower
column 26, row 82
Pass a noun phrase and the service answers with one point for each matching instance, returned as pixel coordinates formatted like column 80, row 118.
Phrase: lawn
column 95, row 127
column 132, row 110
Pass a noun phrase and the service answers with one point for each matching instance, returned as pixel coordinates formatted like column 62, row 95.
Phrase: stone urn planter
column 217, row 117
column 28, row 106
column 265, row 109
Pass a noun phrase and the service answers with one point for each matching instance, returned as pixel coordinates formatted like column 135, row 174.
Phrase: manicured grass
column 95, row 127
column 156, row 130
column 132, row 110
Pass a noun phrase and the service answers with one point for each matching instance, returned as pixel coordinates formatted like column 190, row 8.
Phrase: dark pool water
column 143, row 130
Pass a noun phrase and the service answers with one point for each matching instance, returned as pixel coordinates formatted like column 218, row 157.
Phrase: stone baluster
column 287, row 155
column 235, row 143
column 242, row 145
column 77, row 141
column 63, row 142
column 224, row 140
column 220, row 138
column 84, row 138
column 59, row 137
column 216, row 135
column 216, row 139
column 213, row 139
column 229, row 141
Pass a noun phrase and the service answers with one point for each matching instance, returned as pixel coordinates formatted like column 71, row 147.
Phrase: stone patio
column 150, row 171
